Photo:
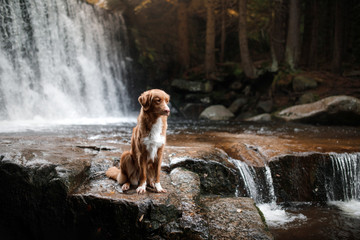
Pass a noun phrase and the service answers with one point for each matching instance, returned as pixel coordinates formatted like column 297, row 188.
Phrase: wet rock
column 192, row 86
column 265, row 106
column 187, row 185
column 304, row 178
column 301, row 83
column 237, row 105
column 216, row 112
column 265, row 117
column 227, row 216
column 33, row 195
column 215, row 178
column 331, row 110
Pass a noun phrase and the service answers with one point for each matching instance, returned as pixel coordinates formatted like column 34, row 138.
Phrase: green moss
column 262, row 218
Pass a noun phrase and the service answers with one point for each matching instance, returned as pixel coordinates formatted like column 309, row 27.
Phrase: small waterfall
column 60, row 59
column 256, row 188
column 259, row 186
column 344, row 180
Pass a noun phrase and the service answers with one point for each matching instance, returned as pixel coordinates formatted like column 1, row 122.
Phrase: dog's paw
column 141, row 189
column 125, row 186
column 159, row 189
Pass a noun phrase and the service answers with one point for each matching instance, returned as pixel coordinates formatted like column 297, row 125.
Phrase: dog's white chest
column 154, row 140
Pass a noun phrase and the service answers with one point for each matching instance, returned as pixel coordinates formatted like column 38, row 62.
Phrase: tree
column 246, row 61
column 292, row 49
column 278, row 33
column 338, row 39
column 183, row 46
column 210, row 38
column 310, row 37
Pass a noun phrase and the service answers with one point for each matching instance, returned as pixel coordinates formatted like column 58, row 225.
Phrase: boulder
column 58, row 190
column 216, row 177
column 308, row 97
column 265, row 117
column 216, row 112
column 301, row 83
column 330, row 110
column 192, row 86
column 237, row 105
column 265, row 106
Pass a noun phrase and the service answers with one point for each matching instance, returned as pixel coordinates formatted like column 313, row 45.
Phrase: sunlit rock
column 331, row 110
column 216, row 112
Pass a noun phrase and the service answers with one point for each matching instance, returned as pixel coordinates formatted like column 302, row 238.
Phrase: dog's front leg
column 142, row 180
column 157, row 184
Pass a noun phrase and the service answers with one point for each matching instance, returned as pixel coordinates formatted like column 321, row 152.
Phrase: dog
column 141, row 165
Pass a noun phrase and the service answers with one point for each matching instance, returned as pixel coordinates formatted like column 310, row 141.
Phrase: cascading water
column 60, row 59
column 261, row 189
column 343, row 186
column 344, row 182
column 261, row 192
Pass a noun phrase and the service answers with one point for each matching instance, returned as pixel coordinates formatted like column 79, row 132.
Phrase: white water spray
column 60, row 59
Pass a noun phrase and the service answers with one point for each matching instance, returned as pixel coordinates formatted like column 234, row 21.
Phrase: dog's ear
column 145, row 100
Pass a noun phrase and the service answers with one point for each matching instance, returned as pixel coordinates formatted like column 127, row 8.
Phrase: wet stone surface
column 53, row 181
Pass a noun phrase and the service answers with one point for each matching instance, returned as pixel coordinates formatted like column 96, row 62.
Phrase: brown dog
column 142, row 164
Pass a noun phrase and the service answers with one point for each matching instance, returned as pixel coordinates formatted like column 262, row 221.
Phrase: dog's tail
column 113, row 173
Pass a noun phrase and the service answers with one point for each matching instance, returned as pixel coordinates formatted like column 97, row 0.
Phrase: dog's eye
column 157, row 100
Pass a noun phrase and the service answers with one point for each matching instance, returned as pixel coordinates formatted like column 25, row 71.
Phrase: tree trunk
column 246, row 61
column 293, row 36
column 278, row 33
column 312, row 60
column 311, row 28
column 183, row 49
column 210, row 38
column 223, row 29
column 338, row 32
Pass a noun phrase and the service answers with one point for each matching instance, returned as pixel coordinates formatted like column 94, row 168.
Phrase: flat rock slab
column 234, row 218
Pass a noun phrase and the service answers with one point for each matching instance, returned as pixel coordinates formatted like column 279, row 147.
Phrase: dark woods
column 201, row 35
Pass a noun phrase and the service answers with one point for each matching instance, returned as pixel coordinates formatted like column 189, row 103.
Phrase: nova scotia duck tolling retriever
column 141, row 165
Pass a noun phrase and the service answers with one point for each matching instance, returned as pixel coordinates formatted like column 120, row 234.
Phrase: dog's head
column 155, row 101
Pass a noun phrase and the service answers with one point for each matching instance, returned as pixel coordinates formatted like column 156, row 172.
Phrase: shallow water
column 312, row 221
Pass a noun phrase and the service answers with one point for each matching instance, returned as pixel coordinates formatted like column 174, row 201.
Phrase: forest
column 251, row 49
column 292, row 34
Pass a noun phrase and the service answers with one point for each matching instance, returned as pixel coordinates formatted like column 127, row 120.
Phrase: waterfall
column 255, row 187
column 261, row 189
column 344, row 180
column 61, row 59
